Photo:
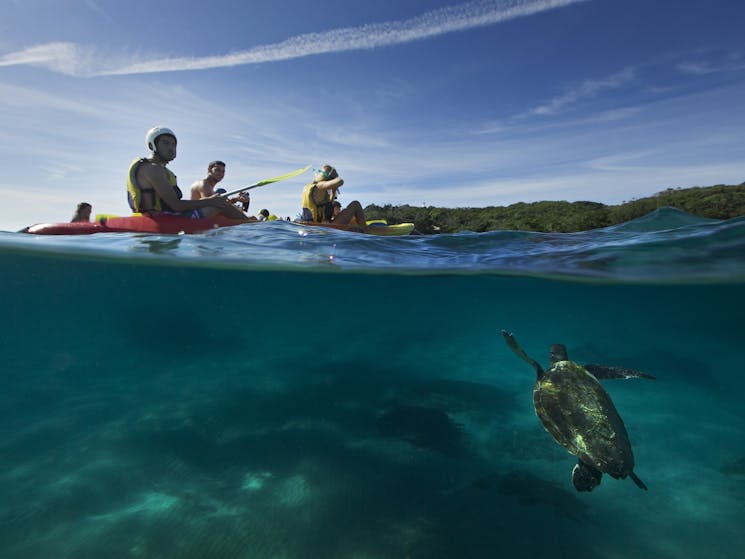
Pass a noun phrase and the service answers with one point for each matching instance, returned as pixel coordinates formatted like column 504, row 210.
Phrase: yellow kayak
column 374, row 227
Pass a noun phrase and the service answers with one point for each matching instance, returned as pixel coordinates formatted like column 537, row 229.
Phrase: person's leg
column 231, row 212
column 353, row 211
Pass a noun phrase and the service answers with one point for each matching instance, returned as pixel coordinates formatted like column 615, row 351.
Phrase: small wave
column 664, row 246
column 662, row 219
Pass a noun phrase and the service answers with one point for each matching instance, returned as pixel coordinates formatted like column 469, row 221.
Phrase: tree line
column 716, row 202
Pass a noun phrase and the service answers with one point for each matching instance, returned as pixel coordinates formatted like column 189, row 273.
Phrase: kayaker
column 263, row 215
column 319, row 196
column 335, row 210
column 82, row 212
column 206, row 187
column 152, row 188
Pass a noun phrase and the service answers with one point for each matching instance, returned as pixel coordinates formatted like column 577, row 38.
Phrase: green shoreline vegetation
column 715, row 202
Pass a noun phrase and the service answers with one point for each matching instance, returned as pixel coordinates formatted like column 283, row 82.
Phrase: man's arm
column 155, row 176
column 333, row 184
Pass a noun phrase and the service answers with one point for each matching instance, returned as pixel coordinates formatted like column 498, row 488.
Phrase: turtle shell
column 578, row 412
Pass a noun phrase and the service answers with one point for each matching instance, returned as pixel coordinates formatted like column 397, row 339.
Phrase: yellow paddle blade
column 283, row 177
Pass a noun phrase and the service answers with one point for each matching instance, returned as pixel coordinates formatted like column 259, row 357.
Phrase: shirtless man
column 206, row 187
column 152, row 186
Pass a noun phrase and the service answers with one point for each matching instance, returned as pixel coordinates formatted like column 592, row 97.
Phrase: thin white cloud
column 16, row 100
column 624, row 161
column 706, row 68
column 71, row 59
column 94, row 6
column 586, row 89
column 517, row 123
column 65, row 58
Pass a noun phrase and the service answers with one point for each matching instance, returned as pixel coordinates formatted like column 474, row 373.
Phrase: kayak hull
column 167, row 224
column 372, row 229
column 176, row 224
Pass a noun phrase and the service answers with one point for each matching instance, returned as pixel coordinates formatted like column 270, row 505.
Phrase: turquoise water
column 272, row 391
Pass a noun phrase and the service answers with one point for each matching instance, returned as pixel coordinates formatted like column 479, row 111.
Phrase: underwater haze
column 277, row 391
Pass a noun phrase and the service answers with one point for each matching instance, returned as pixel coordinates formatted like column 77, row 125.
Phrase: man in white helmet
column 152, row 188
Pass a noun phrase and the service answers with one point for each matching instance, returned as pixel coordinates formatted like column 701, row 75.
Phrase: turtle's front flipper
column 607, row 372
column 515, row 347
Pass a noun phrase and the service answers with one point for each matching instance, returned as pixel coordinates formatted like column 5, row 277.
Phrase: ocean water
column 273, row 391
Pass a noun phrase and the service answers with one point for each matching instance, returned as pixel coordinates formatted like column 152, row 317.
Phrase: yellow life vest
column 135, row 191
column 318, row 209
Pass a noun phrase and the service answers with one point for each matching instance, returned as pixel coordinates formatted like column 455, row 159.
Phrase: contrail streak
column 71, row 59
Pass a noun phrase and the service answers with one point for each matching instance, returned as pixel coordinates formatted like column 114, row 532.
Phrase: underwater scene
column 277, row 391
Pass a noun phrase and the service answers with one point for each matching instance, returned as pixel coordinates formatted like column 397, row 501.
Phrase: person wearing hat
column 263, row 215
column 152, row 187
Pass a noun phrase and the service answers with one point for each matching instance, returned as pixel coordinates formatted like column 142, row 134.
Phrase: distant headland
column 716, row 202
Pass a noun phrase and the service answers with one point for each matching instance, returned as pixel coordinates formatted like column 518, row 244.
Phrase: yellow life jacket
column 318, row 209
column 135, row 191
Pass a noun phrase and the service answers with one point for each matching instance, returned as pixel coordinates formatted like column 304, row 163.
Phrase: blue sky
column 419, row 102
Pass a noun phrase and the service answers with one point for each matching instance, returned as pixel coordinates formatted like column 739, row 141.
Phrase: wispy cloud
column 65, row 58
column 704, row 68
column 72, row 59
column 94, row 6
column 586, row 89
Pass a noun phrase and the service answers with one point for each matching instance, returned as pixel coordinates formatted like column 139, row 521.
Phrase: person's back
column 335, row 211
column 82, row 213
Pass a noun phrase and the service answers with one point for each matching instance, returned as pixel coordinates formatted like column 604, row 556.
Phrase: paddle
column 267, row 181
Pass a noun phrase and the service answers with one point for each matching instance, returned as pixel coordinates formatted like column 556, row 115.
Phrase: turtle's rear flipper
column 585, row 477
column 607, row 372
column 639, row 483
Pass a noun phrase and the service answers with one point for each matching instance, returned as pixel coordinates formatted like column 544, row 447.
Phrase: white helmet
column 153, row 135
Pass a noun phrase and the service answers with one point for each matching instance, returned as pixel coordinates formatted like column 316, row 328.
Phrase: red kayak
column 174, row 224
column 137, row 223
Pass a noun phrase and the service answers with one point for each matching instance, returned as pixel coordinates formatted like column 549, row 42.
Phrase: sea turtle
column 580, row 415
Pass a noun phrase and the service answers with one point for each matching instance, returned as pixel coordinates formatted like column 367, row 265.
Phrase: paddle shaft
column 258, row 184
column 267, row 181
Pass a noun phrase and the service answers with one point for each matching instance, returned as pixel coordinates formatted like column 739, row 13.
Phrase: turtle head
column 558, row 353
column 585, row 478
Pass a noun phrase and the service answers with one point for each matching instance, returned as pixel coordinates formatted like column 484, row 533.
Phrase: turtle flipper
column 585, row 477
column 607, row 372
column 639, row 483
column 509, row 338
